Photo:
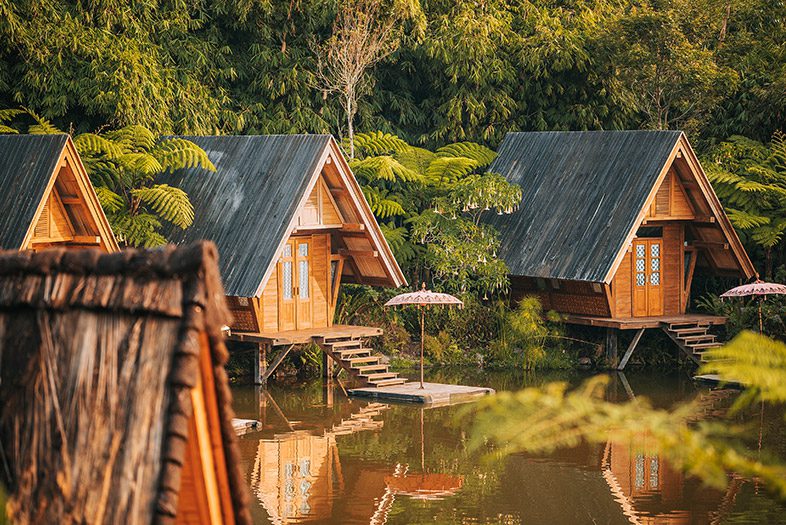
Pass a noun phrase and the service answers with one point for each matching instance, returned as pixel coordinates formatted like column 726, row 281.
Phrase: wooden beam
column 353, row 227
column 612, row 341
column 708, row 219
column 710, row 244
column 358, row 253
column 86, row 239
column 631, row 348
column 279, row 358
column 337, row 191
column 71, row 200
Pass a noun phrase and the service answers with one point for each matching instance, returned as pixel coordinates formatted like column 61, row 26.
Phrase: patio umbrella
column 757, row 288
column 423, row 298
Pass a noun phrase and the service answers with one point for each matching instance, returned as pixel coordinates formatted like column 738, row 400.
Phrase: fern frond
column 175, row 154
column 133, row 138
column 448, row 170
column 382, row 206
column 110, row 201
column 171, row 203
column 471, row 150
column 92, row 144
column 10, row 114
column 383, row 167
column 42, row 125
column 7, row 130
column 745, row 221
column 379, row 143
column 139, row 230
column 143, row 163
column 416, row 159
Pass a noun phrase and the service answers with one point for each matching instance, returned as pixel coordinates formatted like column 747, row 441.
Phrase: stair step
column 689, row 331
column 368, row 368
column 346, row 344
column 681, row 326
column 343, row 354
column 698, row 346
column 366, row 359
column 380, row 376
column 389, row 382
column 702, row 337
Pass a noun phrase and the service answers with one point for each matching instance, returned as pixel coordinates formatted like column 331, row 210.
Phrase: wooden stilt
column 631, row 348
column 268, row 370
column 612, row 342
column 258, row 357
column 327, row 366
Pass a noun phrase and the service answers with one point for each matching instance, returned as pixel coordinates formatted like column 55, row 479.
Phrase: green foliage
column 551, row 417
column 750, row 179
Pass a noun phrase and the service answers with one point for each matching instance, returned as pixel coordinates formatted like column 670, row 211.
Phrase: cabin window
column 648, row 232
column 655, row 264
column 303, row 270
column 540, row 283
column 641, row 264
column 554, row 284
column 286, row 270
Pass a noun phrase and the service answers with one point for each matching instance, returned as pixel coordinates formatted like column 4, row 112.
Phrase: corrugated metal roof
column 246, row 206
column 27, row 163
column 582, row 193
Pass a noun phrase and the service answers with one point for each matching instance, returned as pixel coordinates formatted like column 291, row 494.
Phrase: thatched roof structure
column 116, row 405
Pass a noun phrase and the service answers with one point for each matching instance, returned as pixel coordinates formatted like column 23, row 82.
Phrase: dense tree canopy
column 463, row 70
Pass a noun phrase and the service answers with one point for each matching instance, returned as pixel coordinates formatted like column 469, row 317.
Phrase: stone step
column 380, row 376
column 389, row 382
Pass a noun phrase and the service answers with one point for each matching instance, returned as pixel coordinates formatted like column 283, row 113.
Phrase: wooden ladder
column 358, row 361
column 692, row 337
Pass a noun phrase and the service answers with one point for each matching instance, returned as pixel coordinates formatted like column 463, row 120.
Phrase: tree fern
column 480, row 154
column 133, row 138
column 110, row 201
column 745, row 221
column 7, row 115
column 138, row 230
column 378, row 143
column 143, row 163
column 383, row 167
column 449, row 170
column 175, row 154
column 415, row 159
column 91, row 144
column 42, row 126
column 381, row 205
column 172, row 204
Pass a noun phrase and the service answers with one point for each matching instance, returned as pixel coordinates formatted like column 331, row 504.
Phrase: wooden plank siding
column 575, row 297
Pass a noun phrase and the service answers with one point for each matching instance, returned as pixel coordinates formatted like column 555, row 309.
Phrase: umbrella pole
column 761, row 325
column 422, row 334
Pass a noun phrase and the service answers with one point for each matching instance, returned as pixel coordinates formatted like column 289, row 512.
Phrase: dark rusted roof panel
column 583, row 191
column 246, row 206
column 26, row 166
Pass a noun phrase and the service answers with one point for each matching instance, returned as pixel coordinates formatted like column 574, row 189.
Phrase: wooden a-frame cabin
column 116, row 404
column 47, row 198
column 291, row 224
column 610, row 230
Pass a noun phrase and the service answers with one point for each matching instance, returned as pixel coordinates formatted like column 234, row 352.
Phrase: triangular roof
column 585, row 193
column 119, row 360
column 249, row 205
column 29, row 167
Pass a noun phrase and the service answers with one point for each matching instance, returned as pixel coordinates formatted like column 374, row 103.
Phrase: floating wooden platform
column 714, row 379
column 637, row 323
column 435, row 394
column 299, row 337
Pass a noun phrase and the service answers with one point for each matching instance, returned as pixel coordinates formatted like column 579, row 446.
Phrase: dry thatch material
column 98, row 356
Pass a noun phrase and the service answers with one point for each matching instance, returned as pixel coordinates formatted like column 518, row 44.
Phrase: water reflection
column 323, row 458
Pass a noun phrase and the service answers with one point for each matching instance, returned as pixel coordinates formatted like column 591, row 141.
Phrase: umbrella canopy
column 756, row 288
column 421, row 299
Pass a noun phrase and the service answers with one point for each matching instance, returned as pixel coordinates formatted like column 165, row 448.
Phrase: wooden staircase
column 361, row 420
column 692, row 337
column 359, row 362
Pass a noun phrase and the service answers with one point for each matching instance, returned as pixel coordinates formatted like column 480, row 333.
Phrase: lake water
column 324, row 458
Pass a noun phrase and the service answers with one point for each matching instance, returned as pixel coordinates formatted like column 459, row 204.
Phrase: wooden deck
column 433, row 394
column 299, row 337
column 637, row 323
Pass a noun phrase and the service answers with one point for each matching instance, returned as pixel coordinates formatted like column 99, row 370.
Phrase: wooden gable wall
column 69, row 213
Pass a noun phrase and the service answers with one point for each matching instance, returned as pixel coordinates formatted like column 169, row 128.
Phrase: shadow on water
column 323, row 458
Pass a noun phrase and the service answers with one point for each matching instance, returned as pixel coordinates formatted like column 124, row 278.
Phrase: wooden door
column 304, row 293
column 287, row 288
column 647, row 277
